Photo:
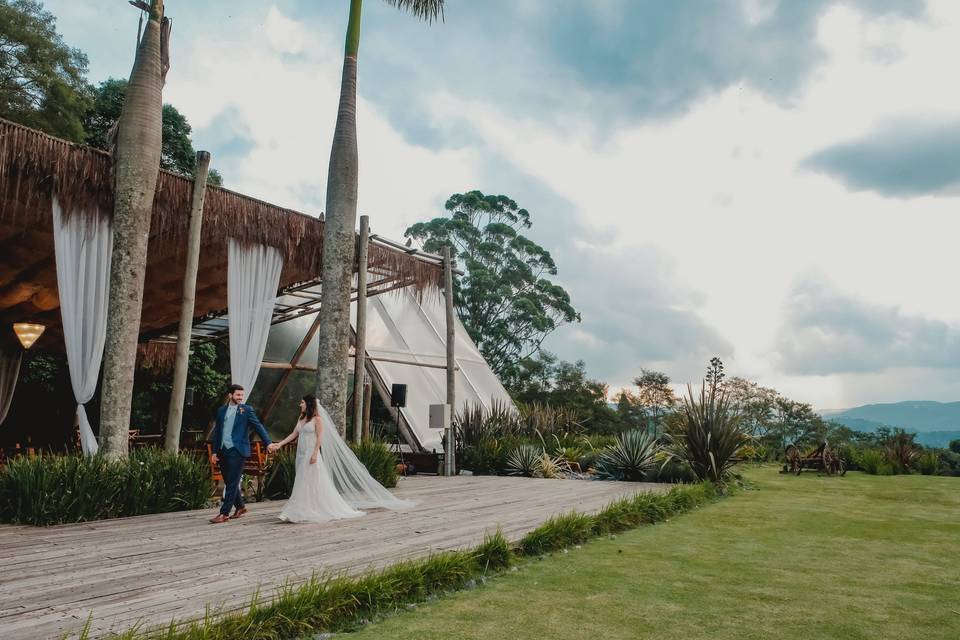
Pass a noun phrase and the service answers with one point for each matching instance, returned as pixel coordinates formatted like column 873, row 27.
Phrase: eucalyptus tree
column 339, row 242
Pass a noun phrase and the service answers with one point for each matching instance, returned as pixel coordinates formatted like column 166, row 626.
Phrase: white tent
column 403, row 332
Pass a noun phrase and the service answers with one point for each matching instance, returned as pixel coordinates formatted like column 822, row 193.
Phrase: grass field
column 800, row 557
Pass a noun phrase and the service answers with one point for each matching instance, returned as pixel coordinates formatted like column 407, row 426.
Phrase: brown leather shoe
column 220, row 518
column 239, row 512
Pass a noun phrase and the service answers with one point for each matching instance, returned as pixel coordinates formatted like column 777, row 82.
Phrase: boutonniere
column 242, row 410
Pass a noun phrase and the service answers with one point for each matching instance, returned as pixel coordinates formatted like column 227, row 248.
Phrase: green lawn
column 800, row 557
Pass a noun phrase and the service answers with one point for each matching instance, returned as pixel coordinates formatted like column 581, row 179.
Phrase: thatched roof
column 35, row 167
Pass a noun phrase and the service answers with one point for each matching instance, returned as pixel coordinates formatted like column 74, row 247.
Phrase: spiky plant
column 709, row 435
column 902, row 451
column 524, row 461
column 630, row 456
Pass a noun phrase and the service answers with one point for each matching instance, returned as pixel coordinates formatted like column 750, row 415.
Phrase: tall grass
column 58, row 489
column 338, row 603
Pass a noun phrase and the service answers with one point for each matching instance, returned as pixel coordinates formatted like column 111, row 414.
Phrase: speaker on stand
column 398, row 400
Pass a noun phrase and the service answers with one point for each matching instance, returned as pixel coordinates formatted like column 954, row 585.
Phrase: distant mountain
column 914, row 415
column 935, row 423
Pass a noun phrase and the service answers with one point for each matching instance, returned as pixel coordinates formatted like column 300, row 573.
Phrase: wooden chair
column 255, row 466
column 214, row 467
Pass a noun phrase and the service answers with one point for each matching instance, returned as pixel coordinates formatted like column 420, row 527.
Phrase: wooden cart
column 822, row 458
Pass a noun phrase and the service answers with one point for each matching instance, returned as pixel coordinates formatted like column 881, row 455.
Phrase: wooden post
column 360, row 345
column 367, row 401
column 449, row 462
column 175, row 413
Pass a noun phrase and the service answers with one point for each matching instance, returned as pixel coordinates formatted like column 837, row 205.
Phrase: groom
column 231, row 448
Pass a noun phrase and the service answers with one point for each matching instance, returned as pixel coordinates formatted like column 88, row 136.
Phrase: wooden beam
column 360, row 348
column 448, row 458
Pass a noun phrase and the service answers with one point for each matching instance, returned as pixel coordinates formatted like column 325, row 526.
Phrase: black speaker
column 398, row 395
column 188, row 396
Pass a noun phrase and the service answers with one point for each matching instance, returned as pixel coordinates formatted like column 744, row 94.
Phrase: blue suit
column 233, row 459
column 246, row 417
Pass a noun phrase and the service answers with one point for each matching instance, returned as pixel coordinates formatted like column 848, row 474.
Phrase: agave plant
column 709, row 435
column 552, row 466
column 629, row 458
column 524, row 461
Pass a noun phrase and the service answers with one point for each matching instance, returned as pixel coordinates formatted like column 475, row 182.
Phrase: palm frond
column 428, row 10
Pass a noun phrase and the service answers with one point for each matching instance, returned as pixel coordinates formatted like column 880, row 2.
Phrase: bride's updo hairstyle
column 311, row 409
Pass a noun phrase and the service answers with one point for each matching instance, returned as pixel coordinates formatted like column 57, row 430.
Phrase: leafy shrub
column 495, row 552
column 488, row 457
column 928, row 463
column 57, row 489
column 874, row 462
column 708, row 435
column 379, row 461
column 670, row 470
column 281, row 474
column 630, row 457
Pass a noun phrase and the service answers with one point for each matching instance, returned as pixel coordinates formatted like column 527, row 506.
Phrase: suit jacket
column 245, row 418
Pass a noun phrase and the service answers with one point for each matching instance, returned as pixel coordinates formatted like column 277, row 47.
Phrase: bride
column 330, row 483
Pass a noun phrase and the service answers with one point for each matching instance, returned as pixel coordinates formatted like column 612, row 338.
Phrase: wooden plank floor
column 152, row 569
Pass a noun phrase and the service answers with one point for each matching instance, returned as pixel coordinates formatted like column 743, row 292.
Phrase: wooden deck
column 152, row 569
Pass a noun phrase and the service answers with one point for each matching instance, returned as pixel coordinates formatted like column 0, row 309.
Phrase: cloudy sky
column 773, row 182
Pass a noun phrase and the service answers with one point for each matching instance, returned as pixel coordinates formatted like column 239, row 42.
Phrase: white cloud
column 720, row 188
column 717, row 193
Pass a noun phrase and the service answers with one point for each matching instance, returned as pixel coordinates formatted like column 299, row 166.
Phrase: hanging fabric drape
column 9, row 372
column 253, row 276
column 83, row 246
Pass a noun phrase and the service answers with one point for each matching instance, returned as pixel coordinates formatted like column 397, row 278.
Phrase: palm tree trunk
column 136, row 164
column 339, row 239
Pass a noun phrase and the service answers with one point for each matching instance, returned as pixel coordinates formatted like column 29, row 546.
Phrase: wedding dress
column 314, row 497
column 338, row 485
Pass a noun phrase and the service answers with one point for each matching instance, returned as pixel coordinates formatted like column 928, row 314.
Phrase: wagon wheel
column 828, row 461
column 792, row 459
column 841, row 467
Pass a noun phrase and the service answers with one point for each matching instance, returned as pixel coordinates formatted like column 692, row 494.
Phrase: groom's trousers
column 231, row 465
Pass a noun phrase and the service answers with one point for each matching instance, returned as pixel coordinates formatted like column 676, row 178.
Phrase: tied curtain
column 9, row 371
column 253, row 277
column 83, row 245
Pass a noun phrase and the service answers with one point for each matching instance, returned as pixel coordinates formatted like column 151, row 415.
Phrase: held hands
column 273, row 447
column 215, row 458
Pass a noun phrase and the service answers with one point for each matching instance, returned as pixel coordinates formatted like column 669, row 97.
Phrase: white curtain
column 9, row 371
column 253, row 277
column 83, row 246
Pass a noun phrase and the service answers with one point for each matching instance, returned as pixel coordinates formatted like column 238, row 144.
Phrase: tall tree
column 136, row 163
column 655, row 395
column 506, row 300
column 333, row 336
column 177, row 152
column 42, row 80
